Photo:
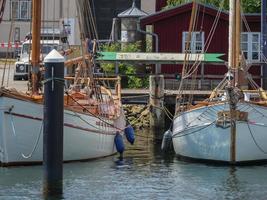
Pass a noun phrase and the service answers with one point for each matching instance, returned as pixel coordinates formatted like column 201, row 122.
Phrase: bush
column 124, row 68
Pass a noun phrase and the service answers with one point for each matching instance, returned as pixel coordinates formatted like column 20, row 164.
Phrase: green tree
column 125, row 68
column 249, row 6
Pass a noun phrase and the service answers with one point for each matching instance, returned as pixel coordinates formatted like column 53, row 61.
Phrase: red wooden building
column 172, row 27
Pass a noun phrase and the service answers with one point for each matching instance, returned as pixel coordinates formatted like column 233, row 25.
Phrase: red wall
column 170, row 32
column 170, row 29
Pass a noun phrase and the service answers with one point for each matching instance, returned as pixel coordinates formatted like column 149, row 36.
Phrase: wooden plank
column 158, row 57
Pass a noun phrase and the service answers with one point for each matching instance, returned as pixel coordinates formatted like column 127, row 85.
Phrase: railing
column 208, row 82
column 115, row 92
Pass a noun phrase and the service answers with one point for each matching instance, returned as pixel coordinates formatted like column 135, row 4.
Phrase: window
column 20, row 10
column 196, row 45
column 250, row 45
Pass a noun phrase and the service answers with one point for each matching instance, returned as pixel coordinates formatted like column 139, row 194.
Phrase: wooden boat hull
column 197, row 135
column 85, row 136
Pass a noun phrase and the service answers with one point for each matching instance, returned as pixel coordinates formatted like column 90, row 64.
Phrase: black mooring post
column 53, row 124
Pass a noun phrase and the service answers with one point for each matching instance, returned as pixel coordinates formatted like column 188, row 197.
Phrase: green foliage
column 249, row 6
column 124, row 68
column 133, row 82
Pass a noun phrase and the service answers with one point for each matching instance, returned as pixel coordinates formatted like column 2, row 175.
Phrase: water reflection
column 232, row 183
column 146, row 173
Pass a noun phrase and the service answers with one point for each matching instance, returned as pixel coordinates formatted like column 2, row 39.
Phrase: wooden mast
column 264, row 41
column 231, row 34
column 237, row 38
column 232, row 68
column 36, row 38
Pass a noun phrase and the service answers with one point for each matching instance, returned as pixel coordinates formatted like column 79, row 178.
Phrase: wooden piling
column 157, row 113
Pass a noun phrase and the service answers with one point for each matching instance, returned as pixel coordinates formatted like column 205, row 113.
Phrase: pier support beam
column 53, row 124
column 157, row 113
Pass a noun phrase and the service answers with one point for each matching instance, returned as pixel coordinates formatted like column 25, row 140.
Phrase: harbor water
column 146, row 173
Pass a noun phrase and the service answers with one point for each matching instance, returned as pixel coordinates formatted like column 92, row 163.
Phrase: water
column 145, row 174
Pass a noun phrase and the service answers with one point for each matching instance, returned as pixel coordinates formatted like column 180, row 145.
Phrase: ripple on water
column 146, row 173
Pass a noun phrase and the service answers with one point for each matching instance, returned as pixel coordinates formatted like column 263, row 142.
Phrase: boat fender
column 118, row 140
column 129, row 133
column 166, row 144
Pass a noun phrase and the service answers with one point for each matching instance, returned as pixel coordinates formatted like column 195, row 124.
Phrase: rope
column 207, row 43
column 9, row 40
column 12, row 125
column 2, row 8
column 186, row 73
column 177, row 135
column 84, row 108
column 254, row 140
column 36, row 142
column 163, row 109
column 255, row 109
column 60, row 80
column 35, row 145
column 76, row 114
column 8, row 74
column 169, row 112
column 205, row 116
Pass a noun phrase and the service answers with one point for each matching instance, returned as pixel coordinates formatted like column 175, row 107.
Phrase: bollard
column 157, row 114
column 53, row 124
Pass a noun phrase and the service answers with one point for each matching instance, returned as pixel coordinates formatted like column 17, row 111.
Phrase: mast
column 237, row 38
column 234, row 62
column 231, row 47
column 264, row 40
column 35, row 53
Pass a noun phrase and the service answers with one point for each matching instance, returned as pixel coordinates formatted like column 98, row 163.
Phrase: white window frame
column 17, row 14
column 193, row 46
column 249, row 43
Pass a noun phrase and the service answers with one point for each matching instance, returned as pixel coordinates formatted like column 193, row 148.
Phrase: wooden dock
column 141, row 96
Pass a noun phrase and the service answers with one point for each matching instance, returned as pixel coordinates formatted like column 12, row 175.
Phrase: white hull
column 196, row 135
column 85, row 137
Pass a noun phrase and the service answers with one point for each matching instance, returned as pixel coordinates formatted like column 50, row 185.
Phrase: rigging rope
column 35, row 145
column 177, row 135
column 2, row 8
column 188, row 72
column 36, row 141
column 8, row 48
column 255, row 141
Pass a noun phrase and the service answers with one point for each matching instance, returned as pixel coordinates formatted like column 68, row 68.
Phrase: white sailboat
column 230, row 126
column 92, row 116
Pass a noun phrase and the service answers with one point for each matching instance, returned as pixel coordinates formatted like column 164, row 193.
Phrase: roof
column 132, row 12
column 187, row 7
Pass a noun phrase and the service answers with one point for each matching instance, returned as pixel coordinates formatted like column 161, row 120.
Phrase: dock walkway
column 130, row 92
